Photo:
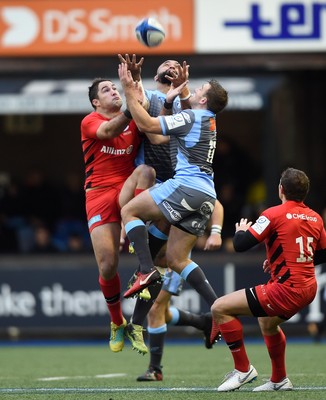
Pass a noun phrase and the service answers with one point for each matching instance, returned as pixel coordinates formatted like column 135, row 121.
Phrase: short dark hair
column 93, row 89
column 295, row 184
column 217, row 97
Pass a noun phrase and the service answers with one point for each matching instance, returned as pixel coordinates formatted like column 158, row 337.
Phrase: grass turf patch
column 190, row 372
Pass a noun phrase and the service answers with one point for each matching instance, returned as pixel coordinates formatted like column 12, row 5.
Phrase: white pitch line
column 129, row 389
column 62, row 378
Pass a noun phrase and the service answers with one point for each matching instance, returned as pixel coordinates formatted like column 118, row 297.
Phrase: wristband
column 186, row 97
column 127, row 113
column 216, row 229
column 168, row 106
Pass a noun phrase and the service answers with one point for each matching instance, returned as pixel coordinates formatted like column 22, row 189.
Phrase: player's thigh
column 143, row 177
column 142, row 207
column 106, row 240
column 234, row 303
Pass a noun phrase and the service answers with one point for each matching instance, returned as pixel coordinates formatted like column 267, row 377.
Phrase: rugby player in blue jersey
column 187, row 200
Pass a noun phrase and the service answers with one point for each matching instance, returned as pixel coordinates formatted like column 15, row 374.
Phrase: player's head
column 211, row 95
column 103, row 93
column 165, row 69
column 294, row 184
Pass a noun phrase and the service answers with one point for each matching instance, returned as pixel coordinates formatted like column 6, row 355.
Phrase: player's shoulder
column 151, row 94
column 274, row 211
column 92, row 116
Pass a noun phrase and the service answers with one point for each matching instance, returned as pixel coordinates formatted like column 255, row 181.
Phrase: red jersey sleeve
column 111, row 161
column 90, row 125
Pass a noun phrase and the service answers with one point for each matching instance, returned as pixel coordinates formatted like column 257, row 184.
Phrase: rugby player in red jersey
column 295, row 240
column 110, row 141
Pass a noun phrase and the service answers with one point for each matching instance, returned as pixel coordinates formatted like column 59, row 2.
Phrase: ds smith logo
column 21, row 26
column 297, row 21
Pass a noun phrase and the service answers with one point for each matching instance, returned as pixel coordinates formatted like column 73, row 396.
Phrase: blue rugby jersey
column 194, row 132
column 161, row 157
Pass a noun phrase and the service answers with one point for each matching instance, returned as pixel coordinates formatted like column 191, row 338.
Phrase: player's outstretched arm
column 143, row 120
column 135, row 68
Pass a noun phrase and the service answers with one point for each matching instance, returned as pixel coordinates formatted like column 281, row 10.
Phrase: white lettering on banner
column 59, row 26
column 295, row 21
column 56, row 302
column 260, row 26
column 23, row 25
column 16, row 304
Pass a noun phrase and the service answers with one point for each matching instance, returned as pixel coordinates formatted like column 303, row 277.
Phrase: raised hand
column 175, row 91
column 133, row 66
column 179, row 76
column 243, row 225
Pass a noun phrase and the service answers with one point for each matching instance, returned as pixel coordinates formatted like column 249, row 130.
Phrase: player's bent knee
column 217, row 308
column 125, row 212
column 172, row 262
column 146, row 172
column 268, row 325
column 107, row 264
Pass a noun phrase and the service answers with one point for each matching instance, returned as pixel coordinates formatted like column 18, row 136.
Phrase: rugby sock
column 142, row 307
column 195, row 276
column 156, row 240
column 156, row 338
column 185, row 318
column 233, row 336
column 111, row 290
column 276, row 348
column 138, row 238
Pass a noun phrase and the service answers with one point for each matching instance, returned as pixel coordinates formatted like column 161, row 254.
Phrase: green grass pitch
column 190, row 371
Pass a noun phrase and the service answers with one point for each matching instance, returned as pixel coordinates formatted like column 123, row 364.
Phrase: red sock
column 138, row 191
column 233, row 336
column 276, row 349
column 111, row 290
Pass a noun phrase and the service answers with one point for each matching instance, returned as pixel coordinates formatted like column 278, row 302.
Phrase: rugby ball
column 150, row 32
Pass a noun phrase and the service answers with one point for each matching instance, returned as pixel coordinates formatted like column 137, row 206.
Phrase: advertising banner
column 107, row 27
column 260, row 26
column 99, row 27
column 52, row 297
